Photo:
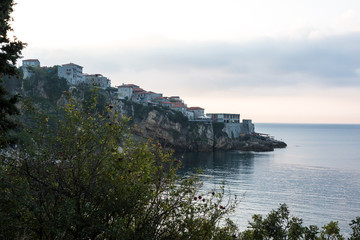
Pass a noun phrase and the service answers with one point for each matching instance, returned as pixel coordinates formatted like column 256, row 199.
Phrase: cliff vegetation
column 168, row 127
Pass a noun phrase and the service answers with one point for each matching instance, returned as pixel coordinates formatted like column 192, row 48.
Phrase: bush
column 280, row 225
column 73, row 181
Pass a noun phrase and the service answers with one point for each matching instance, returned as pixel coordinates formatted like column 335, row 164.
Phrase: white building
column 125, row 91
column 247, row 126
column 198, row 112
column 97, row 80
column 72, row 73
column 26, row 64
column 141, row 96
column 155, row 95
column 224, row 117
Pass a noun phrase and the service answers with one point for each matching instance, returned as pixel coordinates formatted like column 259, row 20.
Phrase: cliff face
column 195, row 136
column 169, row 128
column 180, row 137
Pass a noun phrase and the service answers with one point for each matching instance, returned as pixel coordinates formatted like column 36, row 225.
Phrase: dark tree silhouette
column 10, row 50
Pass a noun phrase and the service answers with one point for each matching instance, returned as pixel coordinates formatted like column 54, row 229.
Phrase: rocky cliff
column 168, row 127
column 172, row 130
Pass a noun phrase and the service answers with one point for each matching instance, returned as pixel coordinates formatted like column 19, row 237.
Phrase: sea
column 317, row 175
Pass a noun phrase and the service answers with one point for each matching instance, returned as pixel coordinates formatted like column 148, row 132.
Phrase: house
column 137, row 94
column 224, row 117
column 198, row 112
column 125, row 91
column 158, row 100
column 178, row 107
column 166, row 104
column 72, row 73
column 141, row 96
column 96, row 80
column 29, row 63
column 247, row 126
column 155, row 95
column 175, row 99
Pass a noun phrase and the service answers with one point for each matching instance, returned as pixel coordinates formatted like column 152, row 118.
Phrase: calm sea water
column 317, row 175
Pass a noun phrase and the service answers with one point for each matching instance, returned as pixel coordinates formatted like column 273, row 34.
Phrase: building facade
column 27, row 64
column 72, row 73
column 224, row 117
column 125, row 91
column 198, row 112
column 247, row 126
column 97, row 80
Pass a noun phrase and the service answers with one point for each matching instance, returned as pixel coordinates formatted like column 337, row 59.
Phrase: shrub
column 73, row 181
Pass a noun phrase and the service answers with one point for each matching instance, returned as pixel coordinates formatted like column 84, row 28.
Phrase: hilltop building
column 26, row 66
column 72, row 73
column 136, row 94
column 247, row 126
column 96, row 80
column 125, row 91
column 224, row 117
column 233, row 127
column 198, row 112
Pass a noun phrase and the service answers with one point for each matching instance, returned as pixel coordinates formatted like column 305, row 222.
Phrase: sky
column 276, row 61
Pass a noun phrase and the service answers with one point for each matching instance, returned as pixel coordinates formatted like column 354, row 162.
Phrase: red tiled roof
column 129, row 85
column 178, row 105
column 138, row 90
column 195, row 108
column 72, row 64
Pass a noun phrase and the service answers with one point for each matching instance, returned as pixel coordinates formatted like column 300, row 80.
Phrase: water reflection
column 316, row 194
column 221, row 163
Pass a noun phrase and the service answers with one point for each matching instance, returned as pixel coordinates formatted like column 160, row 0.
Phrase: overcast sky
column 271, row 61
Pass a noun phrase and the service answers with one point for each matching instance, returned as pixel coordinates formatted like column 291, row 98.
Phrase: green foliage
column 280, row 225
column 141, row 112
column 7, row 109
column 178, row 117
column 44, row 82
column 12, row 83
column 82, row 177
column 355, row 226
column 88, row 98
column 10, row 51
column 331, row 231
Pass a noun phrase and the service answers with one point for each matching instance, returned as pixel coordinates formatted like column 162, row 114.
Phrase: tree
column 279, row 225
column 355, row 226
column 10, row 50
column 75, row 182
column 331, row 231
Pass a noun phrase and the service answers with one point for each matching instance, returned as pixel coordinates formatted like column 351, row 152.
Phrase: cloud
column 327, row 62
column 330, row 62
